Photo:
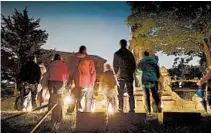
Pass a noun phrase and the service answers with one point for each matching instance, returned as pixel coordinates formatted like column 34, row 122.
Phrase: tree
column 172, row 27
column 182, row 70
column 21, row 37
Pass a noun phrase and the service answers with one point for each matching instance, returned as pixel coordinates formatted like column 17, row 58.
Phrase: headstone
column 179, row 117
column 125, row 121
column 91, row 121
column 168, row 105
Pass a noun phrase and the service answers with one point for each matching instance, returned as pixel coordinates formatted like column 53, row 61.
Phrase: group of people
column 79, row 76
column 124, row 68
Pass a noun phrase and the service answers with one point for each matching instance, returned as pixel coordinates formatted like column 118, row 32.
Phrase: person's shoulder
column 143, row 59
column 129, row 52
column 154, row 60
column 62, row 62
column 88, row 58
column 117, row 52
column 33, row 64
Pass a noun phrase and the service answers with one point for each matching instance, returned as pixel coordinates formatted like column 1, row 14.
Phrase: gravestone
column 179, row 117
column 125, row 121
column 91, row 121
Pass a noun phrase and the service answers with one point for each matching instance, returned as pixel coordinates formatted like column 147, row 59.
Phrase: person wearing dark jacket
column 124, row 67
column 31, row 74
column 150, row 75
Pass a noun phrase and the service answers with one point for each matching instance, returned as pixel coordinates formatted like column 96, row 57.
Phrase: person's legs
column 155, row 96
column 56, row 98
column 113, row 99
column 59, row 110
column 131, row 96
column 22, row 95
column 106, row 96
column 88, row 99
column 147, row 99
column 34, row 95
column 209, row 97
column 79, row 98
column 120, row 94
column 72, row 104
column 26, row 97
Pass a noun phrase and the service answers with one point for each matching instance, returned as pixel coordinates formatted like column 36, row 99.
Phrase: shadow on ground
column 23, row 124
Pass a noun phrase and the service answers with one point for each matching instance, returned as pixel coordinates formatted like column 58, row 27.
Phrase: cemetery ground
column 24, row 123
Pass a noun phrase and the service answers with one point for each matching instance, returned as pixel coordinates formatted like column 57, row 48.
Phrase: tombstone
column 125, row 121
column 86, row 121
column 179, row 117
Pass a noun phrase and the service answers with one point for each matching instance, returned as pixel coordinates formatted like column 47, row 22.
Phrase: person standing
column 42, row 89
column 150, row 75
column 57, row 78
column 31, row 74
column 83, row 77
column 107, row 85
column 124, row 67
column 207, row 80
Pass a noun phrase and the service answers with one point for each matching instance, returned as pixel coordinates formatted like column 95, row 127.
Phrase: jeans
column 34, row 96
column 155, row 95
column 28, row 95
column 121, row 87
column 88, row 93
column 110, row 96
column 77, row 95
column 56, row 89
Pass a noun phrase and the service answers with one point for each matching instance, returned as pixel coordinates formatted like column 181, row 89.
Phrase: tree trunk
column 16, row 89
column 207, row 52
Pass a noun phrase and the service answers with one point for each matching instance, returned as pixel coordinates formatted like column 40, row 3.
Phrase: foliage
column 182, row 70
column 21, row 37
column 172, row 27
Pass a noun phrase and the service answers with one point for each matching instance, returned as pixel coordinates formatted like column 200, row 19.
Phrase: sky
column 97, row 25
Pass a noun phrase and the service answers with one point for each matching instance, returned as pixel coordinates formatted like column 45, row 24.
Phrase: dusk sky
column 97, row 25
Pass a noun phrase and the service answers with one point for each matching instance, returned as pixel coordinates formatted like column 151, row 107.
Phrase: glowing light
column 104, row 102
column 67, row 100
column 110, row 109
column 29, row 109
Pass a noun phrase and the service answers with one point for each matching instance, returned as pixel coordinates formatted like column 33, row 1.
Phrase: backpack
column 83, row 66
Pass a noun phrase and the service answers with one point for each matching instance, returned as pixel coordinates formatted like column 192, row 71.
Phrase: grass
column 25, row 123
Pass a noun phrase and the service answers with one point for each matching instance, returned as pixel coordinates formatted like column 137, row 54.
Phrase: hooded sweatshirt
column 57, row 71
column 149, row 67
column 84, row 76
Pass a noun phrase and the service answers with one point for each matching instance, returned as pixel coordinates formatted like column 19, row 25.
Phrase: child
column 107, row 85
